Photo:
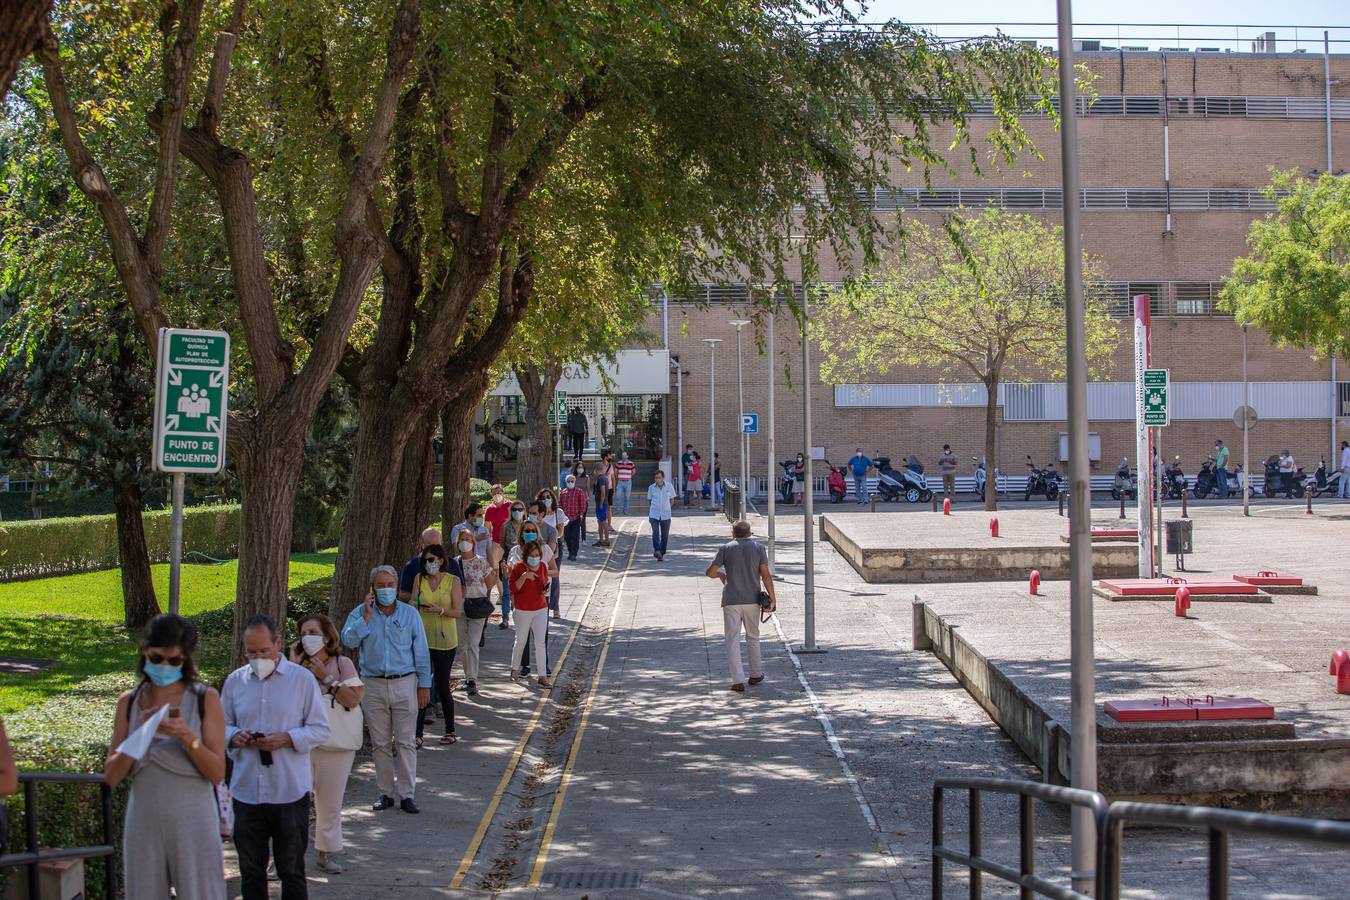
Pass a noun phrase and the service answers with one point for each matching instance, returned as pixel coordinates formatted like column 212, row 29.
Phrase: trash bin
column 732, row 502
column 1179, row 536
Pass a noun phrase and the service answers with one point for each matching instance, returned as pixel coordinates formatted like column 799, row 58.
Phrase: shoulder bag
column 346, row 727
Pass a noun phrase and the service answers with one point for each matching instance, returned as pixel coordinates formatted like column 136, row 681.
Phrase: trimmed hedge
column 46, row 547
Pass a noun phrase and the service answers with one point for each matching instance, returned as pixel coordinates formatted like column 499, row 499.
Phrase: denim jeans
column 1221, row 478
column 622, row 493
column 506, row 599
column 660, row 534
column 860, row 487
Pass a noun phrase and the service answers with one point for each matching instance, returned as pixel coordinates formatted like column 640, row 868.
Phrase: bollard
column 1035, row 582
column 873, row 499
column 935, row 503
column 1339, row 660
column 1122, row 504
column 993, row 526
column 1061, row 503
column 1343, row 680
column 1307, row 495
column 946, row 506
column 1183, row 603
column 1184, row 492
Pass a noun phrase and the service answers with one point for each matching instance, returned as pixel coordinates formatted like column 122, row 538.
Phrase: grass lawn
column 76, row 619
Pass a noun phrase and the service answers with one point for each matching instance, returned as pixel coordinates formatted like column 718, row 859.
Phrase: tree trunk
column 990, row 446
column 138, row 587
column 20, row 28
column 538, row 385
column 269, row 478
column 412, row 499
column 457, row 422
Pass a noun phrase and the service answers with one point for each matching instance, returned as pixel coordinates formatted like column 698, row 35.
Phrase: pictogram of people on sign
column 194, row 403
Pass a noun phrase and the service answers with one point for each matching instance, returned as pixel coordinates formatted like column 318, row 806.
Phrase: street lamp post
column 808, row 514
column 772, row 481
column 711, row 473
column 1246, row 422
column 740, row 400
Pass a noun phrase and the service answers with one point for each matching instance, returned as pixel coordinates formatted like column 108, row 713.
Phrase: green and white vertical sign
column 191, row 400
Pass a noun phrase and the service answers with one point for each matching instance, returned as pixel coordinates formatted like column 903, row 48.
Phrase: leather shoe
column 385, row 802
column 755, row 679
column 408, row 806
column 738, row 688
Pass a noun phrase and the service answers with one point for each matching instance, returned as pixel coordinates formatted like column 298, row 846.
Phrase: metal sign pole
column 1143, row 457
column 176, row 542
column 808, row 494
column 1246, row 426
column 1162, row 493
column 1083, row 709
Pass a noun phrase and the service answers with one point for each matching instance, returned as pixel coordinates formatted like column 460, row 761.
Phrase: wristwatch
column 196, row 742
column 327, row 680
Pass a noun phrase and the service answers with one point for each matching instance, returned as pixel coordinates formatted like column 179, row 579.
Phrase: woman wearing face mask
column 510, row 540
column 320, row 650
column 477, row 578
column 558, row 519
column 529, row 586
column 798, row 479
column 171, row 835
column 439, row 601
column 533, row 531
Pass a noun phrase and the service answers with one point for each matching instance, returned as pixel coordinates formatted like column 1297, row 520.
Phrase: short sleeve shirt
column 741, row 560
column 475, row 572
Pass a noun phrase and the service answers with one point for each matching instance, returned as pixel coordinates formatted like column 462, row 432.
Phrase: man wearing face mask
column 475, row 523
column 274, row 716
column 573, row 502
column 413, row 567
column 396, row 669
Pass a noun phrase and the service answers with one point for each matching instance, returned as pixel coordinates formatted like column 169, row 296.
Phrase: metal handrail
column 35, row 855
column 1025, row 876
column 1220, row 823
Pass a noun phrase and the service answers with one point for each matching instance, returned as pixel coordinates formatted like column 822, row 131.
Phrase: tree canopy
column 1295, row 281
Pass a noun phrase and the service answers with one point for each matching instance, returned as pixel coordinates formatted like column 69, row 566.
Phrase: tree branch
column 213, row 103
column 577, row 106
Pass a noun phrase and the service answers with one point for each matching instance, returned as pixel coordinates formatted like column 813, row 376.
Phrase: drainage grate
column 593, row 879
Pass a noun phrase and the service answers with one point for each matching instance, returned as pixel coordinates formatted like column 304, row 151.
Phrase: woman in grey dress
column 171, row 836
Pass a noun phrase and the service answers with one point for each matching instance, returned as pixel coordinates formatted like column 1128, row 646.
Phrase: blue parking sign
column 749, row 423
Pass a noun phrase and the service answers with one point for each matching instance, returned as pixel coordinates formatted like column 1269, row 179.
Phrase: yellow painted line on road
column 481, row 832
column 537, row 873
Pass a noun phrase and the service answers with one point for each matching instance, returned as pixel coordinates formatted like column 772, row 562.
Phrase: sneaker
column 329, row 865
column 272, row 872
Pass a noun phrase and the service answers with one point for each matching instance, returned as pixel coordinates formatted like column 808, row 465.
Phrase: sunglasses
column 159, row 659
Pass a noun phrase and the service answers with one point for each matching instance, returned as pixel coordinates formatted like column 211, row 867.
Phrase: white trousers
column 390, row 706
column 734, row 618
column 530, row 621
column 470, row 633
column 329, row 769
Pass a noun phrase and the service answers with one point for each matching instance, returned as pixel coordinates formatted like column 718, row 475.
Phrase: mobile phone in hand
column 173, row 712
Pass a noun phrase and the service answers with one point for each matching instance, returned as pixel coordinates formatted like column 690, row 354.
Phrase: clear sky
column 1163, row 20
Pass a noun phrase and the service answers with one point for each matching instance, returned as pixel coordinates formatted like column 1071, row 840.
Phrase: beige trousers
column 470, row 633
column 390, row 706
column 329, row 769
column 734, row 618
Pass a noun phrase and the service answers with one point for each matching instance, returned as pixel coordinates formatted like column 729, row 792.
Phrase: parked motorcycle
column 787, row 480
column 1206, row 482
column 1274, row 484
column 1174, row 480
column 896, row 483
column 1041, row 481
column 1126, row 483
column 979, row 476
column 1321, row 483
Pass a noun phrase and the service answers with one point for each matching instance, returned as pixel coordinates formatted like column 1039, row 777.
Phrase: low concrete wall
column 947, row 564
column 1245, row 765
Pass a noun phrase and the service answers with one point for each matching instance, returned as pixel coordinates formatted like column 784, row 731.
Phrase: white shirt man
column 1344, row 490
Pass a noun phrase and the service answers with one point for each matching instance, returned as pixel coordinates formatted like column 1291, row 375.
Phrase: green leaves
column 1295, row 282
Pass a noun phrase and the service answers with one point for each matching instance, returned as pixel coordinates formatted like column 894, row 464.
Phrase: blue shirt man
column 859, row 465
column 660, row 496
column 396, row 668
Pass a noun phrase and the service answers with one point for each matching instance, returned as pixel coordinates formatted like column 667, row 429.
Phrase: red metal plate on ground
column 1261, row 579
column 1163, row 587
column 1115, row 532
column 1211, row 708
column 1157, row 709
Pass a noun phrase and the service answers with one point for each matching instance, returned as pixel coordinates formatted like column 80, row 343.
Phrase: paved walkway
column 816, row 783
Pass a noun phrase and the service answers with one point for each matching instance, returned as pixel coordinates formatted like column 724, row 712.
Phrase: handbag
column 346, row 727
column 765, row 603
column 478, row 607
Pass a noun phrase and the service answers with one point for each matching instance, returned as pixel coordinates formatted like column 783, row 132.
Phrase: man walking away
column 396, row 667
column 859, row 465
column 573, row 501
column 577, row 426
column 947, row 468
column 623, row 473
column 273, row 717
column 660, row 496
column 743, row 568
column 1344, row 490
column 1221, row 468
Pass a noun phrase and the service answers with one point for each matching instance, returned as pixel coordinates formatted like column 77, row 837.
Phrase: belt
column 391, row 677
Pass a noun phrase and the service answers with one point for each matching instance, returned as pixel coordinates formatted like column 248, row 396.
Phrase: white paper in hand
column 138, row 742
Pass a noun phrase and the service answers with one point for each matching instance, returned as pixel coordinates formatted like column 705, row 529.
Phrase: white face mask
column 466, row 546
column 262, row 667
column 312, row 643
column 432, row 566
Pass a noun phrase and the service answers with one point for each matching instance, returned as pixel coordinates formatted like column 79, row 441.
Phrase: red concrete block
column 1167, row 587
column 1115, row 532
column 1261, row 579
column 1215, row 708
column 1155, row 710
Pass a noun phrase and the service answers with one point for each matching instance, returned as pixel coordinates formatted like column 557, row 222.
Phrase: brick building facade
column 1230, row 117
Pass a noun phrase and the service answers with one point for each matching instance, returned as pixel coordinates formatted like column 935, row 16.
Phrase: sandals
column 448, row 739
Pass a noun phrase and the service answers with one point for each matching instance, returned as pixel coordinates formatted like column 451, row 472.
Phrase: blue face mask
column 547, row 502
column 163, row 675
column 386, row 596
column 478, row 522
column 533, row 517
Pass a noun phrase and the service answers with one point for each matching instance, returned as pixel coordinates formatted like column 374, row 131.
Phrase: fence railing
column 1110, row 821
column 35, row 855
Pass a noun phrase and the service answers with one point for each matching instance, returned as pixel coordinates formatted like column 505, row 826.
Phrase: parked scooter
column 1206, row 482
column 1321, row 483
column 1174, row 480
column 1274, row 485
column 896, row 483
column 1126, row 483
column 979, row 476
column 787, row 480
column 1041, row 481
